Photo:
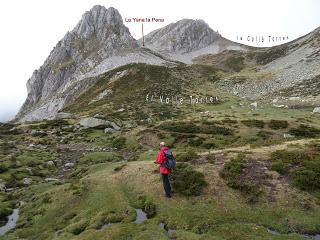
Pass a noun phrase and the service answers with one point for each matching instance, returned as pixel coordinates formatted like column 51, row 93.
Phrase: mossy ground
column 78, row 208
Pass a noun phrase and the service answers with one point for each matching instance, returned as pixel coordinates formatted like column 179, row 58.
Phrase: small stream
column 314, row 237
column 11, row 223
column 170, row 231
column 141, row 216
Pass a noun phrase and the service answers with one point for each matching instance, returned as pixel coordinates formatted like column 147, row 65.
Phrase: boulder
column 27, row 181
column 51, row 179
column 316, row 110
column 91, row 122
column 64, row 115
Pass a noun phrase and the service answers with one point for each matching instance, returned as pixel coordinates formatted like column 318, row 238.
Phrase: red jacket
column 161, row 159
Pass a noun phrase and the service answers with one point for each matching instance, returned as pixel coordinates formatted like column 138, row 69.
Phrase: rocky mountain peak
column 96, row 20
column 99, row 35
column 183, row 36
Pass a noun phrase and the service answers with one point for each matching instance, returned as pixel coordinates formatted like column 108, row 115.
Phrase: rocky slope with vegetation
column 99, row 43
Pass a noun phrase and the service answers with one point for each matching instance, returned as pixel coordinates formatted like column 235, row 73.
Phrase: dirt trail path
column 261, row 150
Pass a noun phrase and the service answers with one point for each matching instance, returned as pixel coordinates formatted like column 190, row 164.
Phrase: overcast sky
column 30, row 29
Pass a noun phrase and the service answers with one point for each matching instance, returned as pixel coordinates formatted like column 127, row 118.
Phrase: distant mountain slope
column 284, row 70
column 187, row 39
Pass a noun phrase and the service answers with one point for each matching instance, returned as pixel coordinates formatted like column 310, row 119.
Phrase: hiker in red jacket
column 163, row 170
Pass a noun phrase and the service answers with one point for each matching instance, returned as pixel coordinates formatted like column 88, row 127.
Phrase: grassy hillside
column 246, row 170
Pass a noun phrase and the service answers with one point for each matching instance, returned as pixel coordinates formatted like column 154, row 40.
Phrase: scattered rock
column 3, row 187
column 14, row 129
column 287, row 135
column 120, row 110
column 109, row 130
column 102, row 95
column 69, row 165
column 27, row 181
column 114, row 126
column 316, row 110
column 51, row 179
column 294, row 98
column 29, row 169
column 33, row 132
column 254, row 104
column 280, row 106
column 50, row 163
column 100, row 116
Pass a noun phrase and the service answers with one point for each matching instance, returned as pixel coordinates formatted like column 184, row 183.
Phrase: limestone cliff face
column 99, row 35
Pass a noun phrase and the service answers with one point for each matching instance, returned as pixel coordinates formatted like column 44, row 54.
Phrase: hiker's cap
column 162, row 144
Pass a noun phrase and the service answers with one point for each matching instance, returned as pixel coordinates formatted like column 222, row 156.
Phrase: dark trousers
column 166, row 184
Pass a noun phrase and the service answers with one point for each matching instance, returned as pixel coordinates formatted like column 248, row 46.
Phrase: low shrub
column 235, row 63
column 306, row 179
column 253, row 123
column 305, row 131
column 119, row 142
column 119, row 168
column 3, row 168
column 271, row 54
column 303, row 165
column 189, row 127
column 209, row 144
column 150, row 208
column 50, row 124
column 232, row 170
column 211, row 158
column 5, row 210
column 99, row 157
column 186, row 181
column 6, row 148
column 78, row 227
column 264, row 135
column 229, row 121
column 217, row 130
column 187, row 157
column 5, row 128
column 279, row 167
column 278, row 124
column 289, row 157
column 195, row 141
column 232, row 173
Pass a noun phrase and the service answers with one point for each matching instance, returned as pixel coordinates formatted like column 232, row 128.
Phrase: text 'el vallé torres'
column 182, row 100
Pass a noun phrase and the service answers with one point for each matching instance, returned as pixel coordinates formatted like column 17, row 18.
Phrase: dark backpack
column 170, row 162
